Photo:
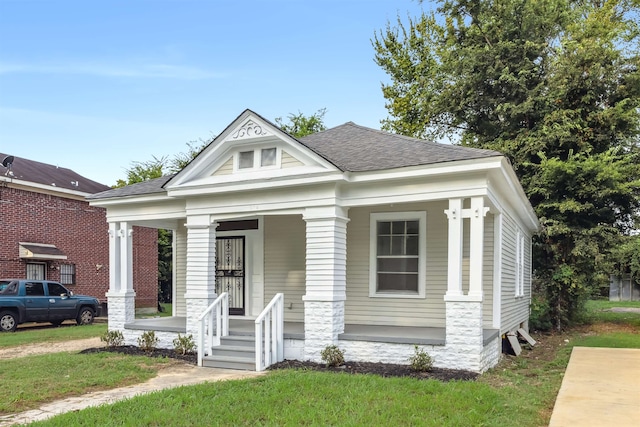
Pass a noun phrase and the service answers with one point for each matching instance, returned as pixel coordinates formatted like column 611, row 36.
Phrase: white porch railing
column 218, row 311
column 270, row 324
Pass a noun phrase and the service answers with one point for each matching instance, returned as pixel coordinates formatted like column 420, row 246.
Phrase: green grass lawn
column 520, row 391
column 40, row 334
column 32, row 380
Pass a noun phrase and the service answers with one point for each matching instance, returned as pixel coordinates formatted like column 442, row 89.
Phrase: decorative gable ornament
column 250, row 129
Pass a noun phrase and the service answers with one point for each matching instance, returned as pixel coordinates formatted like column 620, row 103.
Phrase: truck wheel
column 8, row 321
column 85, row 317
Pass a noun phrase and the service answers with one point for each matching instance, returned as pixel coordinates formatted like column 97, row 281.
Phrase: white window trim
column 257, row 159
column 421, row 216
column 519, row 264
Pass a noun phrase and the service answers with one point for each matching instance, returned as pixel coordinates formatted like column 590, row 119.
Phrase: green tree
column 555, row 86
column 300, row 125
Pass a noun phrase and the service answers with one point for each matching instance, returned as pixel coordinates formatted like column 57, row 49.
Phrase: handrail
column 271, row 320
column 220, row 309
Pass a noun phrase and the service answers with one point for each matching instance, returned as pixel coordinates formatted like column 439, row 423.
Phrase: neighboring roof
column 147, row 187
column 50, row 175
column 354, row 148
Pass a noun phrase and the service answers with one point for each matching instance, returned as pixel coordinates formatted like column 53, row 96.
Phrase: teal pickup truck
column 24, row 301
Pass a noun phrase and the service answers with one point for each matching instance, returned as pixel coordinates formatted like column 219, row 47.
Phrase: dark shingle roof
column 147, row 187
column 51, row 175
column 351, row 148
column 354, row 148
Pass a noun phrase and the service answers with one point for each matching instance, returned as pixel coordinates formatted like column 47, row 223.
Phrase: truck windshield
column 8, row 287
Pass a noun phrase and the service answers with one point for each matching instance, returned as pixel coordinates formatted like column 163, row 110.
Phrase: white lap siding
column 284, row 262
column 428, row 311
column 515, row 310
column 181, row 270
column 362, row 309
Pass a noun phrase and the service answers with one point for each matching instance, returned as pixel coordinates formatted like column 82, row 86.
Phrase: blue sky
column 95, row 85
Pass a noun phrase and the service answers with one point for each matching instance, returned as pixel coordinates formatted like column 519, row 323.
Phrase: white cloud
column 104, row 69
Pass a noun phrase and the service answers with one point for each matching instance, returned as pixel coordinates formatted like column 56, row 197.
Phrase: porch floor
column 295, row 330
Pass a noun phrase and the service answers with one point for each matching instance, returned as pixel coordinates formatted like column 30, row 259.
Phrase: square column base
column 323, row 322
column 122, row 309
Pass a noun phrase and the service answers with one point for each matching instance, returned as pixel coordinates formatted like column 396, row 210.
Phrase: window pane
column 412, row 245
column 397, row 245
column 34, row 289
column 384, row 227
column 384, row 245
column 56, row 290
column 398, row 265
column 388, row 282
column 246, row 160
column 268, row 157
column 398, row 227
column 413, row 227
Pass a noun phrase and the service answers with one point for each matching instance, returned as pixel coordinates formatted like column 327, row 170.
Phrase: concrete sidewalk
column 175, row 376
column 601, row 387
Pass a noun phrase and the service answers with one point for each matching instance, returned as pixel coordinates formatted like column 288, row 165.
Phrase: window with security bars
column 68, row 274
column 35, row 271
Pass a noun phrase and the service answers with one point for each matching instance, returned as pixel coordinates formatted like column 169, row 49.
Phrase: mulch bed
column 381, row 369
column 132, row 350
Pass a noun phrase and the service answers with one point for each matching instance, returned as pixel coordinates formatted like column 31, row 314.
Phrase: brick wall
column 78, row 230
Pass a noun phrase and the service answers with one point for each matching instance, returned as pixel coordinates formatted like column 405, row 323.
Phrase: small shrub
column 421, row 361
column 113, row 338
column 148, row 341
column 332, row 355
column 184, row 344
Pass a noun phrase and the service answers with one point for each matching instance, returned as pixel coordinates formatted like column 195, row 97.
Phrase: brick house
column 50, row 232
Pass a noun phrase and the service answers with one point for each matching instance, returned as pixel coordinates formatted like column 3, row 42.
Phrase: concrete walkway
column 174, row 376
column 601, row 387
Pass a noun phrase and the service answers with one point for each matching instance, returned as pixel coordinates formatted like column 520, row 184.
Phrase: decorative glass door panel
column 230, row 271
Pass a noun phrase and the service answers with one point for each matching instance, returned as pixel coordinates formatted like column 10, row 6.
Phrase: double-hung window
column 398, row 254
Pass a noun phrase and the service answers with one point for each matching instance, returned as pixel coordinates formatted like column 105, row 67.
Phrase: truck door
column 36, row 302
column 61, row 305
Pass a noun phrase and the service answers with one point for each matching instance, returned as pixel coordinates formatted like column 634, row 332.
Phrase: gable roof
column 354, row 148
column 348, row 147
column 50, row 175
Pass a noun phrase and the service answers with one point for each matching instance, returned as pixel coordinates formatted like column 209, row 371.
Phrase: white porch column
column 464, row 319
column 326, row 278
column 454, row 271
column 476, row 246
column 120, row 297
column 201, row 270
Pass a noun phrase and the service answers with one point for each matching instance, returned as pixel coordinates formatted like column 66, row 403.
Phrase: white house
column 371, row 241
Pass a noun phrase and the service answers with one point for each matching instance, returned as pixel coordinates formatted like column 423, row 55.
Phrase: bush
column 184, row 345
column 540, row 317
column 420, row 361
column 148, row 341
column 332, row 355
column 113, row 338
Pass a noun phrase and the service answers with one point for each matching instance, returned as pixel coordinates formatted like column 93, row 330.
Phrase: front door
column 230, row 271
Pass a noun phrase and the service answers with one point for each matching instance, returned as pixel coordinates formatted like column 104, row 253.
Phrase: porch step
column 229, row 362
column 239, row 341
column 234, row 352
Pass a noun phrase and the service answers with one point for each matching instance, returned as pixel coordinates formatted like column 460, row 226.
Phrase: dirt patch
column 49, row 347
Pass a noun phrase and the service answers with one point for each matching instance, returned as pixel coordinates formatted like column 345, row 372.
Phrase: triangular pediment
column 250, row 149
